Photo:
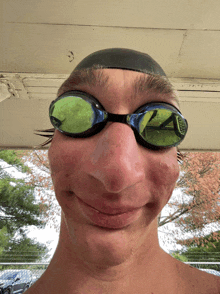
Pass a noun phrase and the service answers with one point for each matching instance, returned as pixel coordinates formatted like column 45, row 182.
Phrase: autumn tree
column 197, row 209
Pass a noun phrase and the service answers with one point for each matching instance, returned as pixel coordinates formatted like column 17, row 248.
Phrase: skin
column 113, row 173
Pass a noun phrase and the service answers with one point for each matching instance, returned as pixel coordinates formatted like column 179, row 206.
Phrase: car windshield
column 8, row 276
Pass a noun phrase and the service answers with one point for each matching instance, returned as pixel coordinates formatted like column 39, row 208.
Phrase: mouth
column 117, row 219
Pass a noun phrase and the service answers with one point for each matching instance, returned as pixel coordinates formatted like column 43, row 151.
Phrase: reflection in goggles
column 79, row 115
column 73, row 115
column 162, row 127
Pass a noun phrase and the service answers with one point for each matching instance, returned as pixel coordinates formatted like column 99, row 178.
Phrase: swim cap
column 123, row 59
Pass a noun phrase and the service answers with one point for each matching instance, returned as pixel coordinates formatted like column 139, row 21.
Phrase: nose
column 116, row 160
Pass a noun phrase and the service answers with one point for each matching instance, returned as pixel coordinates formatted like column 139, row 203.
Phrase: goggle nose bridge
column 121, row 118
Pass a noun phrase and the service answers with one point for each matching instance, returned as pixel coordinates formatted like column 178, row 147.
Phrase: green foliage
column 17, row 205
column 12, row 158
column 4, row 239
column 205, row 250
column 24, row 250
column 180, row 257
column 18, row 211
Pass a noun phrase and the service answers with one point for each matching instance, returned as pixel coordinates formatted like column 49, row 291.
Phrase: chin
column 105, row 247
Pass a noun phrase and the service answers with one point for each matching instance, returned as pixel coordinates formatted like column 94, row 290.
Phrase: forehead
column 121, row 85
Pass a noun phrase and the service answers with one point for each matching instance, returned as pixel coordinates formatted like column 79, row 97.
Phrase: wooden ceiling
column 42, row 41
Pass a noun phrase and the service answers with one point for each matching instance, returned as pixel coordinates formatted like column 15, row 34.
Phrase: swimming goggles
column 156, row 125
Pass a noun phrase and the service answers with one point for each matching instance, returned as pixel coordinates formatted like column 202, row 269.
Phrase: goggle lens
column 78, row 114
column 162, row 127
column 75, row 115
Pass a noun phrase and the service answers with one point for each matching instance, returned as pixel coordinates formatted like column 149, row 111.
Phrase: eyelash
column 48, row 133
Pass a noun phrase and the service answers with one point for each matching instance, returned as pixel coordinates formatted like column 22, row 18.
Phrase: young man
column 113, row 173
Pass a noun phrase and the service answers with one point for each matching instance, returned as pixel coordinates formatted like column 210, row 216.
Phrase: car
column 15, row 281
column 211, row 271
column 35, row 278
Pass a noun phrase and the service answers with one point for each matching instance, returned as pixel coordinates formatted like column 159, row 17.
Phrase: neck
column 72, row 270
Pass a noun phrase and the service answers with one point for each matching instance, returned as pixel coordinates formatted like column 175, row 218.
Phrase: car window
column 8, row 276
column 18, row 276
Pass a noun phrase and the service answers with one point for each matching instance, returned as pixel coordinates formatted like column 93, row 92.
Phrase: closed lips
column 115, row 211
column 117, row 220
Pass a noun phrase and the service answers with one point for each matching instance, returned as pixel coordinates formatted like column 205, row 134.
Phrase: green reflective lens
column 162, row 127
column 72, row 114
column 156, row 125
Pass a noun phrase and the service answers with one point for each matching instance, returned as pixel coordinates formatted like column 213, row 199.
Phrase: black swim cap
column 123, row 59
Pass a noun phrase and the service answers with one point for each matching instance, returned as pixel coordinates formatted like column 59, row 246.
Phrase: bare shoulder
column 197, row 281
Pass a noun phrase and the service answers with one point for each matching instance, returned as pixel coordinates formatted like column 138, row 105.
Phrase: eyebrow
column 90, row 77
column 142, row 84
column 155, row 84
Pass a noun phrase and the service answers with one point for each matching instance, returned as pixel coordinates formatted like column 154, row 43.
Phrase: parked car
column 36, row 274
column 211, row 271
column 35, row 278
column 15, row 281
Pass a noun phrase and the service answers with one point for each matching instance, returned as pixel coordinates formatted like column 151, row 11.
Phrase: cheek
column 164, row 174
column 66, row 155
column 61, row 157
column 65, row 161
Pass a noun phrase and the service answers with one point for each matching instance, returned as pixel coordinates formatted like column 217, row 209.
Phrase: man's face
column 110, row 188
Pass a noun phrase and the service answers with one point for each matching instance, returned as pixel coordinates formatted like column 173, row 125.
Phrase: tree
column 40, row 178
column 18, row 210
column 24, row 250
column 197, row 208
column 208, row 251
